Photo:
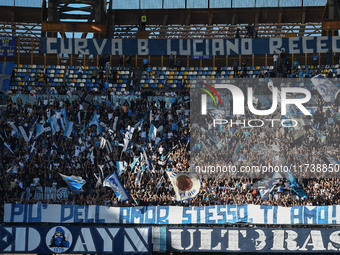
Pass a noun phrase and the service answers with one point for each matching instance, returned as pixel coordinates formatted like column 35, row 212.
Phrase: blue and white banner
column 190, row 47
column 223, row 240
column 75, row 240
column 217, row 214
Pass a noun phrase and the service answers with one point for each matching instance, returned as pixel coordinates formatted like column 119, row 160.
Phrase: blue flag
column 295, row 186
column 113, row 182
column 75, row 183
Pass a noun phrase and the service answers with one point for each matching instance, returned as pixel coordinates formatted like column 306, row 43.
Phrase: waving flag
column 159, row 184
column 295, row 186
column 115, row 123
column 134, row 163
column 152, row 132
column 138, row 178
column 121, row 167
column 68, row 129
column 113, row 182
column 85, row 99
column 139, row 125
column 13, row 126
column 266, row 186
column 40, row 130
column 108, row 162
column 99, row 176
column 26, row 133
column 102, row 143
column 148, row 161
column 75, row 183
column 129, row 133
column 32, row 148
column 327, row 90
column 186, row 184
column 127, row 139
column 54, row 125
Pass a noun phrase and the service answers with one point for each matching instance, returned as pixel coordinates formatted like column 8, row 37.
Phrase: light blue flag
column 152, row 132
column 121, row 167
column 295, row 186
column 68, row 129
column 75, row 183
column 113, row 182
column 40, row 130
column 65, row 115
column 54, row 125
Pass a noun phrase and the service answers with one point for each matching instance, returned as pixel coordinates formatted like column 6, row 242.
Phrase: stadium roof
column 189, row 4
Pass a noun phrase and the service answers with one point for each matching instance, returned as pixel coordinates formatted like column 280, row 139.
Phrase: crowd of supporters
column 36, row 160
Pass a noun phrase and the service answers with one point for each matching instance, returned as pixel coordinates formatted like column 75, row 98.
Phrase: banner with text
column 190, row 47
column 74, row 240
column 218, row 214
column 245, row 240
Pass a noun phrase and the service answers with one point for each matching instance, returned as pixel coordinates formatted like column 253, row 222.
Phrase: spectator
column 121, row 61
column 107, row 64
column 145, row 62
column 178, row 64
column 315, row 60
column 275, row 60
column 283, row 58
column 128, row 61
column 338, row 72
column 329, row 57
column 237, row 34
column 171, row 61
column 235, row 68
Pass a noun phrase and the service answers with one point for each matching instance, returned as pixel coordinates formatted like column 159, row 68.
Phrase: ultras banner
column 245, row 240
column 219, row 214
column 72, row 239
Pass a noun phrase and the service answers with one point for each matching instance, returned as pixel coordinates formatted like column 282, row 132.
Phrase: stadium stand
column 87, row 140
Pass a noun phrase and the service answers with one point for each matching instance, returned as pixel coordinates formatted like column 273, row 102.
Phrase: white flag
column 186, row 184
column 328, row 91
